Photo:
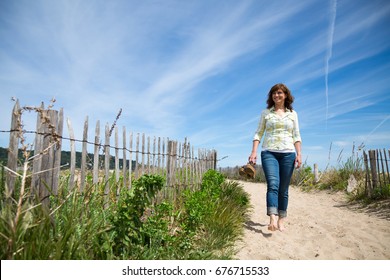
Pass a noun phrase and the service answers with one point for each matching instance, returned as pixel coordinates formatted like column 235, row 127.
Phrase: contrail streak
column 329, row 55
column 378, row 126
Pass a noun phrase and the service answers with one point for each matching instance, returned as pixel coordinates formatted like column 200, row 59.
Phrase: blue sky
column 202, row 69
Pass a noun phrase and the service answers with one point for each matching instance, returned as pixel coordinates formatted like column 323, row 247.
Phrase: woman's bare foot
column 272, row 223
column 281, row 224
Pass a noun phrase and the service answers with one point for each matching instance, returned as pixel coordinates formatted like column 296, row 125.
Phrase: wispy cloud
column 377, row 127
column 212, row 49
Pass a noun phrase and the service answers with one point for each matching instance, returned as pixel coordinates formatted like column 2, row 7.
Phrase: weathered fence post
column 84, row 156
column 379, row 153
column 148, row 155
column 136, row 171
column 72, row 155
column 13, row 148
column 374, row 174
column 215, row 159
column 368, row 178
column 96, row 161
column 107, row 161
column 193, row 169
column 48, row 156
column 154, row 156
column 179, row 165
column 159, row 156
column 387, row 167
column 163, row 161
column 185, row 163
column 171, row 162
column 143, row 154
column 58, row 150
column 47, row 153
column 316, row 175
column 38, row 148
column 124, row 158
column 131, row 160
column 168, row 163
column 117, row 173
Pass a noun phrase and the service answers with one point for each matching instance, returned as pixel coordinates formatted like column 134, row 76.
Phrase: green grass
column 196, row 224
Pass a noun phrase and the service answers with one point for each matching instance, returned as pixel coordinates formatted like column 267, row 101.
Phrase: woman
column 281, row 151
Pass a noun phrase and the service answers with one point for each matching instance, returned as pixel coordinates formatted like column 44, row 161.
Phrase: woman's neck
column 279, row 107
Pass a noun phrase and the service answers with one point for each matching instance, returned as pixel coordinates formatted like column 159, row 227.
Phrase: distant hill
column 65, row 158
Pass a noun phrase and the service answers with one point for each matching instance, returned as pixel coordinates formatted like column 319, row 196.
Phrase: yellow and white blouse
column 280, row 132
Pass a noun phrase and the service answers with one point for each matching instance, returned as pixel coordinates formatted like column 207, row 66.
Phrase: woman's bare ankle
column 281, row 222
column 273, row 225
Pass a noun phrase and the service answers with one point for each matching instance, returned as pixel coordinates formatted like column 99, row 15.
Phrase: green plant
column 216, row 214
column 169, row 237
column 69, row 227
column 196, row 208
column 230, row 212
column 381, row 192
column 211, row 182
column 202, row 224
column 128, row 217
column 199, row 204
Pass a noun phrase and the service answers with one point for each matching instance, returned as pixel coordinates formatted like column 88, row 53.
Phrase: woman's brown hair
column 287, row 102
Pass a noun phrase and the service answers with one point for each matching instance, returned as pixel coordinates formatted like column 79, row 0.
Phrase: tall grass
column 131, row 226
column 336, row 178
column 216, row 213
column 67, row 229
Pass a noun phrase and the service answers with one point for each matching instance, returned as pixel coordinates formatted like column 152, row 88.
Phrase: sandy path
column 320, row 225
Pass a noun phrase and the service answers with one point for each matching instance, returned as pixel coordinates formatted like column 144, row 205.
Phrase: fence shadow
column 379, row 208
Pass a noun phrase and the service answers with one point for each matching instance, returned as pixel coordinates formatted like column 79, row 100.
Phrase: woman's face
column 278, row 97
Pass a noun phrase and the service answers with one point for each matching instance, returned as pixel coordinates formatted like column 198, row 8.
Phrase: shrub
column 129, row 213
column 216, row 213
column 337, row 178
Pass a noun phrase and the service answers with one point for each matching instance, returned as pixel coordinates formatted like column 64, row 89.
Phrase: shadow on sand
column 250, row 225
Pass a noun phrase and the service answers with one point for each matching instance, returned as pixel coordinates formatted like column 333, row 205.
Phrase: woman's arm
column 257, row 138
column 253, row 156
column 297, row 142
column 298, row 159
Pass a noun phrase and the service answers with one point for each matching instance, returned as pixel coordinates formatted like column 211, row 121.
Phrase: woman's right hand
column 252, row 158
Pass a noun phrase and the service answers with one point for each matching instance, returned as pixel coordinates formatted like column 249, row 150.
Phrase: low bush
column 216, row 214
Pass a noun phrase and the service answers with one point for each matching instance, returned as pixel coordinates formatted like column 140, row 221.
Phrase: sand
column 320, row 225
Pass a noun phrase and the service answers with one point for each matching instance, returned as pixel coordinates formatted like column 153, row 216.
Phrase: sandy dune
column 320, row 225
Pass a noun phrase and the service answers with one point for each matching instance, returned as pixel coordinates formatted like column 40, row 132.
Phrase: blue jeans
column 278, row 169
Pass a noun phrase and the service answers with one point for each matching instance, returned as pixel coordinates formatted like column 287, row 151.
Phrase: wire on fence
column 101, row 145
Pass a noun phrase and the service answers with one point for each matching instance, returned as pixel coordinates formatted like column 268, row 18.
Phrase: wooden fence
column 177, row 162
column 377, row 171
